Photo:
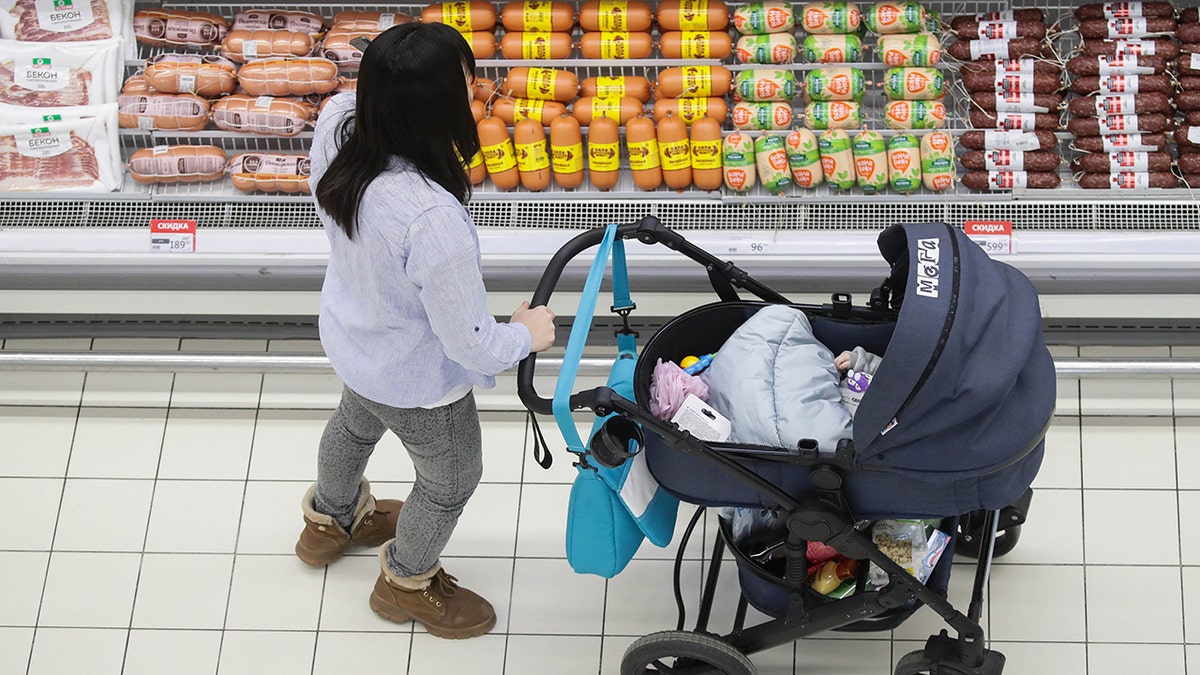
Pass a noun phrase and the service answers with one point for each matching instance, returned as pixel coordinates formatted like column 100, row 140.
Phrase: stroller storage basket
column 766, row 590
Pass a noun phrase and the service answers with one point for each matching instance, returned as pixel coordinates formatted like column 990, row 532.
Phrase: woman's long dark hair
column 412, row 103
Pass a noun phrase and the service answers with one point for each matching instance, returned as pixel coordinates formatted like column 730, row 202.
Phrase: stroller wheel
column 970, row 542
column 684, row 653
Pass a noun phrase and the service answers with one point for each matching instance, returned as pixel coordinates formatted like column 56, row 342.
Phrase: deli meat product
column 35, row 21
column 74, row 93
column 75, row 168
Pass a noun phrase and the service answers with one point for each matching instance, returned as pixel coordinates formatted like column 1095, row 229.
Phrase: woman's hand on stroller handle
column 539, row 321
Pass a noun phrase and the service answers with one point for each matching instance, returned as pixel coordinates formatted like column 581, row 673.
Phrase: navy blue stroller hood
column 955, row 416
column 969, row 385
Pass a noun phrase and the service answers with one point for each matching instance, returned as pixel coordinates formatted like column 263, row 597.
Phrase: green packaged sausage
column 771, row 16
column 834, row 83
column 915, row 114
column 833, row 115
column 826, row 18
column 890, row 18
column 904, row 163
column 914, row 84
column 804, row 158
column 843, row 48
column 771, row 159
column 765, row 84
column 918, row 49
column 837, row 159
column 870, row 161
column 737, row 159
column 769, row 48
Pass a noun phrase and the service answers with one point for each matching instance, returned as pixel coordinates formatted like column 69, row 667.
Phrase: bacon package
column 77, row 152
column 61, row 20
column 44, row 74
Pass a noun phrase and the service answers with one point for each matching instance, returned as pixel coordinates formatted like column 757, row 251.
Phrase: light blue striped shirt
column 403, row 314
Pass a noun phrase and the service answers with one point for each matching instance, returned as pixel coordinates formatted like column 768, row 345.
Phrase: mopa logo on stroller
column 929, row 256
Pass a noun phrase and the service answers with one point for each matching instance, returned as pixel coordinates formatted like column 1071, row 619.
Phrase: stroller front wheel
column 692, row 654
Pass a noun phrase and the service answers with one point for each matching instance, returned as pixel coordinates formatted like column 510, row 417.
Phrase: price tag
column 744, row 245
column 172, row 236
column 993, row 236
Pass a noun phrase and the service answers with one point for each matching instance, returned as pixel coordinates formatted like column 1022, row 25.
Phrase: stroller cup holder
column 616, row 441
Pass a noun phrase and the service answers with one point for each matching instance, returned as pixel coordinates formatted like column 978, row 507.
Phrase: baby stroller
column 952, row 428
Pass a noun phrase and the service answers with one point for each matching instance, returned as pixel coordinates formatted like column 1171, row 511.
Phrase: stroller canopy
column 967, row 386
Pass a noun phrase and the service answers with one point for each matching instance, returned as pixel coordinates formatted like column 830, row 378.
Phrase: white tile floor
column 150, row 518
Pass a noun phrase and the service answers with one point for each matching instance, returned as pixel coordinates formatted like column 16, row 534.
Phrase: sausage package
column 71, row 149
column 62, row 20
column 47, row 74
column 270, row 172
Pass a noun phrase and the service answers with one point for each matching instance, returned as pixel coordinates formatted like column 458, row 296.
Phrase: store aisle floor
column 149, row 520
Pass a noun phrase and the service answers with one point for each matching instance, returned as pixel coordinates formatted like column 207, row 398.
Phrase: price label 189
column 172, row 236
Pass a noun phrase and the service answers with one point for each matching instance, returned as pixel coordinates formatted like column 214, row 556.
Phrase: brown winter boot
column 324, row 541
column 446, row 609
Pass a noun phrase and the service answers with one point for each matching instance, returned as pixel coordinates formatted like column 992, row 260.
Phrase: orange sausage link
column 209, row 75
column 632, row 86
column 528, row 45
column 288, row 77
column 545, row 84
column 706, row 154
column 693, row 81
column 691, row 109
column 478, row 110
column 270, row 172
column 513, row 110
column 642, row 144
column 693, row 15
column 533, row 160
column 169, row 112
column 337, row 48
column 476, row 169
column 675, row 152
column 616, row 45
column 483, row 43
column 246, row 45
column 367, row 20
column 178, row 27
column 630, row 15
column 262, row 115
column 566, row 151
column 604, row 153
column 177, row 164
column 256, row 19
column 695, row 45
column 538, row 16
column 465, row 17
column 622, row 109
column 498, row 152
column 485, row 89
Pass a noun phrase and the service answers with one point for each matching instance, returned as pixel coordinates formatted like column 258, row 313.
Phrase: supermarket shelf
column 789, row 260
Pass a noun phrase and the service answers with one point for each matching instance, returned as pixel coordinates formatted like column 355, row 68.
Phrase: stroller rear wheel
column 692, row 654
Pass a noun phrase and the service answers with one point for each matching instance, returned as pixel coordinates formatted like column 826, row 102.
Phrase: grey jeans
column 446, row 449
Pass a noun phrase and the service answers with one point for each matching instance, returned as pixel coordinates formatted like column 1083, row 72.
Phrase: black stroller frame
column 821, row 517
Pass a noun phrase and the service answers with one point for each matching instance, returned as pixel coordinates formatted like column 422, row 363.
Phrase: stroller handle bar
column 723, row 275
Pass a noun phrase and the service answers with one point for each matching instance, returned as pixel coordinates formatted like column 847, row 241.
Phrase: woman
column 404, row 322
